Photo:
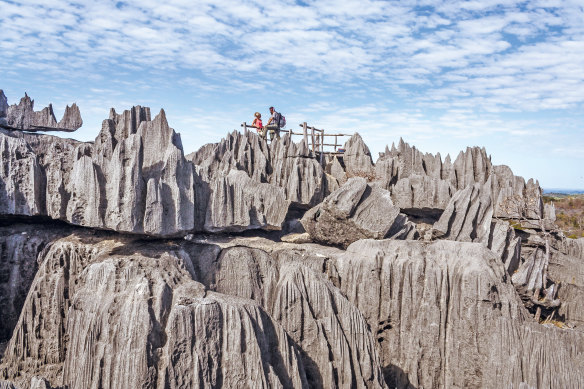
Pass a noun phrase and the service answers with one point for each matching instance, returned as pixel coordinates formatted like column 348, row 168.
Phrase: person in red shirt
column 257, row 123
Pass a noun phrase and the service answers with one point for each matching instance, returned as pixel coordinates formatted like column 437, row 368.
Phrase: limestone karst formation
column 125, row 263
column 22, row 116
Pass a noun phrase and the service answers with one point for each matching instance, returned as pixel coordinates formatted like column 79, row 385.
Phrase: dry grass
column 557, row 323
column 569, row 214
column 368, row 175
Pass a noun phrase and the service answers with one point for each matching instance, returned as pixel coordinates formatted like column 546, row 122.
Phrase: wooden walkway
column 315, row 139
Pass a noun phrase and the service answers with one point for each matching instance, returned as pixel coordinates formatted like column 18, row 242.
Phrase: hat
column 257, row 114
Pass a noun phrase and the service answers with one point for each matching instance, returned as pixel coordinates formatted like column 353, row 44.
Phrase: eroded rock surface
column 423, row 180
column 20, row 248
column 470, row 289
column 356, row 211
column 113, row 314
column 22, row 116
column 446, row 315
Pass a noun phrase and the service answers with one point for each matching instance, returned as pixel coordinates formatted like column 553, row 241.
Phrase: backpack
column 282, row 121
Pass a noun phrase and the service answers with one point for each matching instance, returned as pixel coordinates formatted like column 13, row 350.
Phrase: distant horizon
column 562, row 190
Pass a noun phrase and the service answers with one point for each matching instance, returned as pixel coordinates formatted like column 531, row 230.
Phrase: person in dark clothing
column 273, row 124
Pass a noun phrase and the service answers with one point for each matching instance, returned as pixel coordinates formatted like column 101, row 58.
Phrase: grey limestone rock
column 406, row 160
column 512, row 196
column 356, row 211
column 337, row 171
column 295, row 169
column 338, row 350
column 284, row 164
column 20, row 247
column 3, row 107
column 357, row 157
column 549, row 212
column 567, row 271
column 7, row 385
column 421, row 194
column 22, row 116
column 467, row 218
column 134, row 178
column 239, row 203
column 110, row 315
column 446, row 315
column 237, row 151
column 504, row 242
column 20, row 178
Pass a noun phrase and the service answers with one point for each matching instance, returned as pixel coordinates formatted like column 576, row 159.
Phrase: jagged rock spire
column 22, row 116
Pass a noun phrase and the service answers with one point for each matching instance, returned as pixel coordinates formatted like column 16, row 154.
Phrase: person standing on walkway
column 257, row 123
column 273, row 124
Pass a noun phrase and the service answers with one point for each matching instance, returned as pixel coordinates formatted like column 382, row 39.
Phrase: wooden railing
column 314, row 138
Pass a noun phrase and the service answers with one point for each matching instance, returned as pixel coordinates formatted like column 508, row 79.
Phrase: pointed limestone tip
column 161, row 117
column 3, row 104
column 71, row 118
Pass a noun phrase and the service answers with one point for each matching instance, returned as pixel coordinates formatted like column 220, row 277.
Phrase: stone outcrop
column 111, row 316
column 417, row 180
column 283, row 164
column 135, row 178
column 421, row 195
column 357, row 158
column 446, row 315
column 241, row 311
column 239, row 203
column 331, row 333
column 20, row 246
column 468, row 215
column 237, row 151
column 20, row 178
column 356, row 211
column 413, row 272
column 22, row 116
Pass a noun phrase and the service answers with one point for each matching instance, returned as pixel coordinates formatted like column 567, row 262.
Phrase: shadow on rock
column 396, row 378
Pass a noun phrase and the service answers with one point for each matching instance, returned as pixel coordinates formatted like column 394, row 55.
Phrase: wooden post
column 321, row 146
column 313, row 140
column 335, row 143
column 305, row 133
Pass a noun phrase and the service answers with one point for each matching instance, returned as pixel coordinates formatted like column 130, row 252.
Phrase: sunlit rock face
column 295, row 271
column 22, row 116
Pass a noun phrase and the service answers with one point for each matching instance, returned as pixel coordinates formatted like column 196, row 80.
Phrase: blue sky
column 443, row 75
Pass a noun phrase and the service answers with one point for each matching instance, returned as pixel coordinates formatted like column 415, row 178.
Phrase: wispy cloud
column 418, row 67
column 453, row 49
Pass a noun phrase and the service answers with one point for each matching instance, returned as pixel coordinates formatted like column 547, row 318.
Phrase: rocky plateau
column 125, row 263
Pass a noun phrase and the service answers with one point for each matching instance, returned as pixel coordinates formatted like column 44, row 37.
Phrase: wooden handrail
column 317, row 137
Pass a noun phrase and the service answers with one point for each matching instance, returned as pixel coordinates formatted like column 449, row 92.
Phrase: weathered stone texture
column 446, row 315
column 238, row 203
column 424, row 181
column 112, row 315
column 357, row 157
column 356, row 211
column 22, row 116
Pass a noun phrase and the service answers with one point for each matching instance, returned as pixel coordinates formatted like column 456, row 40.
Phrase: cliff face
column 22, row 116
column 424, row 273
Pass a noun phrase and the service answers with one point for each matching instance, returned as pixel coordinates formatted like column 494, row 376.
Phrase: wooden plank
column 305, row 133
column 321, row 147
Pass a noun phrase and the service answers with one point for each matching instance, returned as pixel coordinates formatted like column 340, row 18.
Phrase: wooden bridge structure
column 315, row 139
